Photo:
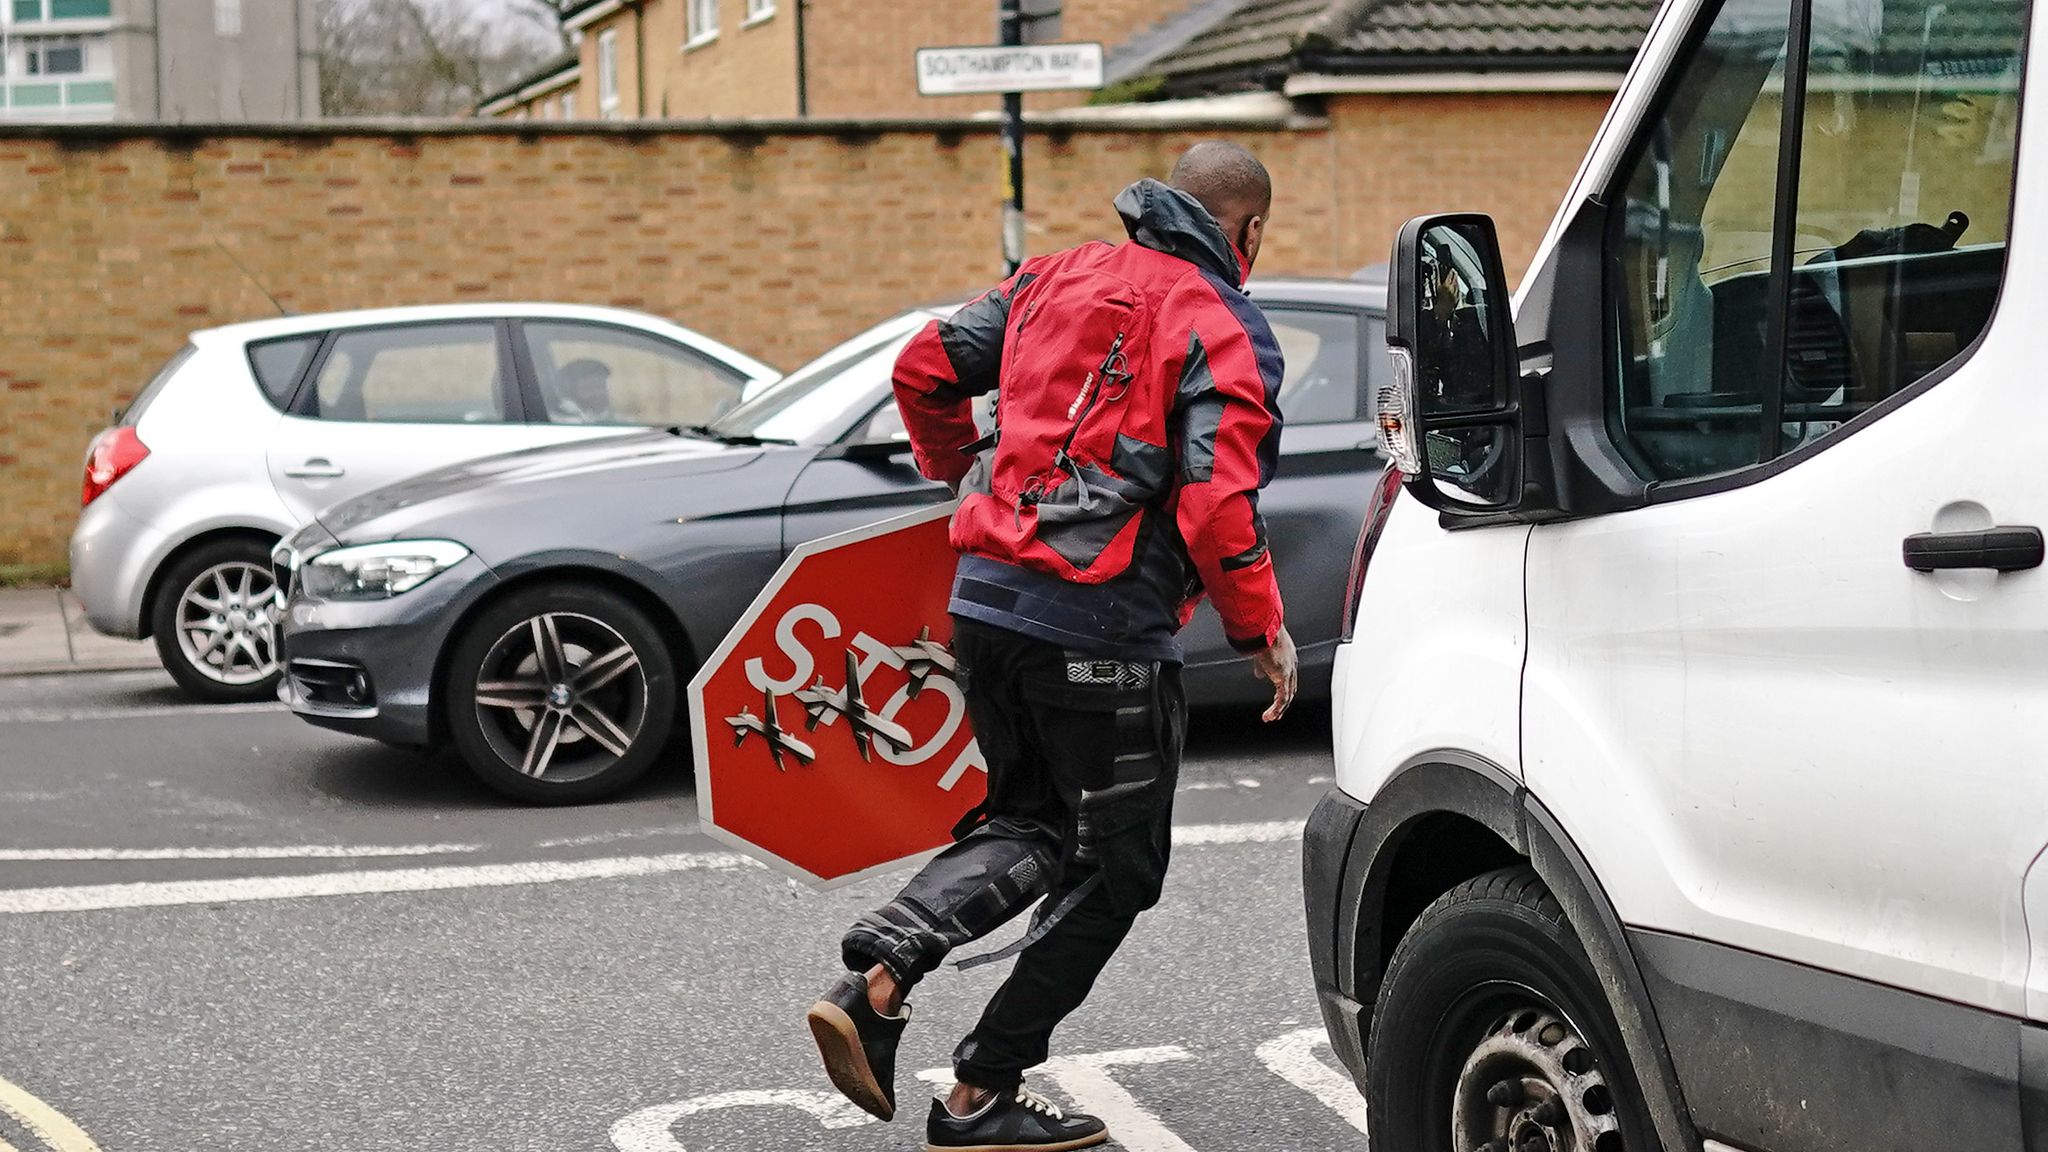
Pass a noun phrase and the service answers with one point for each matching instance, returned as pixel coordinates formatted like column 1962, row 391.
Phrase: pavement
column 44, row 630
column 229, row 930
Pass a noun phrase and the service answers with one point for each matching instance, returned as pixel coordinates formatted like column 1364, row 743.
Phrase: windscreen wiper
column 706, row 432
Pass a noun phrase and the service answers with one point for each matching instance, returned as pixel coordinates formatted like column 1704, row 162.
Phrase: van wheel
column 1492, row 1033
column 560, row 694
column 215, row 622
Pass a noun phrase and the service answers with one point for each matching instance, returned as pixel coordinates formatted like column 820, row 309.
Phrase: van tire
column 1490, row 997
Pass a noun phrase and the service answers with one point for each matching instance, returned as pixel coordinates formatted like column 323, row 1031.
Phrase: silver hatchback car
column 252, row 428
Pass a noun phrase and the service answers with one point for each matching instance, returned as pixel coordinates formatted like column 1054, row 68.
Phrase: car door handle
column 2005, row 549
column 317, row 468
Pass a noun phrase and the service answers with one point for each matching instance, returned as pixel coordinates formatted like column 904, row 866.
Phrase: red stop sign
column 830, row 737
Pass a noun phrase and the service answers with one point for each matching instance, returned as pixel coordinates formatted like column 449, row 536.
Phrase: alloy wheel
column 227, row 623
column 561, row 697
column 1531, row 1083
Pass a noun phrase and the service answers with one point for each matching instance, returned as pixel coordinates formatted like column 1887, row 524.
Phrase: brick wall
column 118, row 242
column 1508, row 154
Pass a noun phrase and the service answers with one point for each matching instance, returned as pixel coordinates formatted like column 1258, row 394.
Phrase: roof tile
column 1270, row 33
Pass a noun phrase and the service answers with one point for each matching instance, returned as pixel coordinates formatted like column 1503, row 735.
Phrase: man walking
column 1136, row 423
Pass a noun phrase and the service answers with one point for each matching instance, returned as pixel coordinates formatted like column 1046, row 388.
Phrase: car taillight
column 114, row 453
column 1384, row 492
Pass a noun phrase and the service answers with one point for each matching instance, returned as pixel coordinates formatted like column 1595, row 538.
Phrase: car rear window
column 278, row 364
column 133, row 412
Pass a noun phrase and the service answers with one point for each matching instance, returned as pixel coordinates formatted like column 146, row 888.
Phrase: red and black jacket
column 1136, row 422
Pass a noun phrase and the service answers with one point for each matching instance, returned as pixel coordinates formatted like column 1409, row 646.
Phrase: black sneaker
column 859, row 1044
column 1025, row 1122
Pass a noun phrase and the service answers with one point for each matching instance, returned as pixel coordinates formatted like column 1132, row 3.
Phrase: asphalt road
column 225, row 930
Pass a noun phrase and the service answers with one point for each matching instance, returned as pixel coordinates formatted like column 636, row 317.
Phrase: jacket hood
column 1171, row 221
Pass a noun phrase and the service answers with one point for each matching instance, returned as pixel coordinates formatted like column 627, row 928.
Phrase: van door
column 1761, row 725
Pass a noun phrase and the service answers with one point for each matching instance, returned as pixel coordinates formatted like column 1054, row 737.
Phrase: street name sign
column 993, row 68
column 831, row 739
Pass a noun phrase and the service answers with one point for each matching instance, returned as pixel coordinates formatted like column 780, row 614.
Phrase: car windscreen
column 812, row 399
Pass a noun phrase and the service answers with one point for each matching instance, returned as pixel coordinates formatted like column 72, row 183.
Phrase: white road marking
column 1084, row 1080
column 689, row 829
column 650, row 1129
column 292, row 852
column 57, row 1132
column 1267, row 832
column 1087, row 1081
column 165, row 893
column 1293, row 1058
column 141, row 712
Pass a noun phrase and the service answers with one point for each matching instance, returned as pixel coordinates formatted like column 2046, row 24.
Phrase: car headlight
column 377, row 571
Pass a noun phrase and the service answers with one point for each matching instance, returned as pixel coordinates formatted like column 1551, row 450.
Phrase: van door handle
column 2005, row 549
column 317, row 468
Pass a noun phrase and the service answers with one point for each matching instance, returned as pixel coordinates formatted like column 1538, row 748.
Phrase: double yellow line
column 46, row 1124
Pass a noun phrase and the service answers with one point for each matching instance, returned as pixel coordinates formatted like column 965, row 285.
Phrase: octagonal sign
column 830, row 736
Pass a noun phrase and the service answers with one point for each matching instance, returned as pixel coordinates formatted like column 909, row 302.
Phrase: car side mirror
column 1450, row 416
column 868, row 451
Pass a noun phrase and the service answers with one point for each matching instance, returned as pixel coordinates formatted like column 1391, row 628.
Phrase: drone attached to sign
column 780, row 740
column 922, row 659
column 823, row 705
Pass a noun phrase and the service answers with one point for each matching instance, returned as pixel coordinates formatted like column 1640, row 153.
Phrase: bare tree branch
column 428, row 57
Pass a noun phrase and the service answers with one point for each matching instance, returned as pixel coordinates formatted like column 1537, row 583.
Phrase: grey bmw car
column 541, row 611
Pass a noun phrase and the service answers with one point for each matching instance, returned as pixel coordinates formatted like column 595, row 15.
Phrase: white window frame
column 35, row 59
column 758, row 11
column 43, row 16
column 569, row 105
column 700, row 22
column 608, row 73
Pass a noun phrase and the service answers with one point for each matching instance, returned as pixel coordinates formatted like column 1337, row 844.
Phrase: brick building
column 724, row 59
column 737, row 59
column 551, row 91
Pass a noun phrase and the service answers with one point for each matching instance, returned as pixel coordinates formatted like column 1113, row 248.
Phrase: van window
column 1894, row 219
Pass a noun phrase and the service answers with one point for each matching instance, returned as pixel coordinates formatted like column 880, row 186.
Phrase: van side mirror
column 1450, row 417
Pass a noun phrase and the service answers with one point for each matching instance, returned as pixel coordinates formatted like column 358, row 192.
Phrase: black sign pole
column 1010, row 30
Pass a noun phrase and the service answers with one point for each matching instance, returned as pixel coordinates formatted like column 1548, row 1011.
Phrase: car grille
column 332, row 683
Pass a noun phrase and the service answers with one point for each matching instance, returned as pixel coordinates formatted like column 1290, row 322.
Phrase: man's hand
column 1278, row 665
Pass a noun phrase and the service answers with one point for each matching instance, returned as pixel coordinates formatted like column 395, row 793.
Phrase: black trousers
column 1082, row 755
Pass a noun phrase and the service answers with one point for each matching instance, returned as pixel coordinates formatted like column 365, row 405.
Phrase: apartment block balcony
column 57, row 98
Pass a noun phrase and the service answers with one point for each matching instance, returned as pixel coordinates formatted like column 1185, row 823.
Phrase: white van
column 1693, row 783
